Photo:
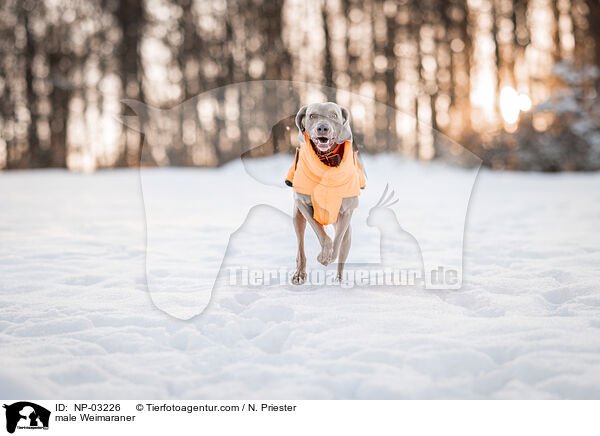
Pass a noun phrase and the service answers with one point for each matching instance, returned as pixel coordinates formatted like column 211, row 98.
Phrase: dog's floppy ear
column 300, row 122
column 346, row 133
column 300, row 118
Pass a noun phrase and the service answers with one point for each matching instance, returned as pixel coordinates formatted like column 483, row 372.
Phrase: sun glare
column 512, row 103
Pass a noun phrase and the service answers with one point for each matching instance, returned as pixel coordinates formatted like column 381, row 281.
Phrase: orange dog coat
column 326, row 185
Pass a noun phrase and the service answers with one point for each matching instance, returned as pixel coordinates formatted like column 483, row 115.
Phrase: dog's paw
column 344, row 283
column 325, row 257
column 299, row 278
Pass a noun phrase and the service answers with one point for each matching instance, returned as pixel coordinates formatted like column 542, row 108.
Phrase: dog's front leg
column 343, row 233
column 299, row 226
column 341, row 227
column 325, row 257
column 344, row 250
column 343, row 223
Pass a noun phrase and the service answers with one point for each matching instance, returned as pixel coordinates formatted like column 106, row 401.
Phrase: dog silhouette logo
column 189, row 223
column 26, row 415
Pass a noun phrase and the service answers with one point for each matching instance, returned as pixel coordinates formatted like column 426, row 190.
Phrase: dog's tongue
column 323, row 144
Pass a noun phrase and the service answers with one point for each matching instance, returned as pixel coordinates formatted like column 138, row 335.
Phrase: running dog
column 326, row 178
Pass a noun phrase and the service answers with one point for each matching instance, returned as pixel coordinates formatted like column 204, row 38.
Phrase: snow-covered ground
column 77, row 319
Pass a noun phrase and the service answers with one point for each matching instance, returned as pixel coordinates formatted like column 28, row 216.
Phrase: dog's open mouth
column 322, row 143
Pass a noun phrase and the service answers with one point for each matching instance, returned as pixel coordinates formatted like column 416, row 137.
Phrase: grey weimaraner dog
column 326, row 124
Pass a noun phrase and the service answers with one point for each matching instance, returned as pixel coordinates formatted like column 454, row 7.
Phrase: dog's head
column 326, row 125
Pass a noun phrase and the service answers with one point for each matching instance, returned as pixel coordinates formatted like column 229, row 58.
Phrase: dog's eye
column 334, row 115
column 312, row 116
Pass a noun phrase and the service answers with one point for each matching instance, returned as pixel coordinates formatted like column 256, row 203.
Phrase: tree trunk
column 36, row 154
column 130, row 15
column 328, row 64
column 59, row 101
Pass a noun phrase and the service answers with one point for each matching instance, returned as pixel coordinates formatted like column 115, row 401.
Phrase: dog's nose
column 322, row 129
